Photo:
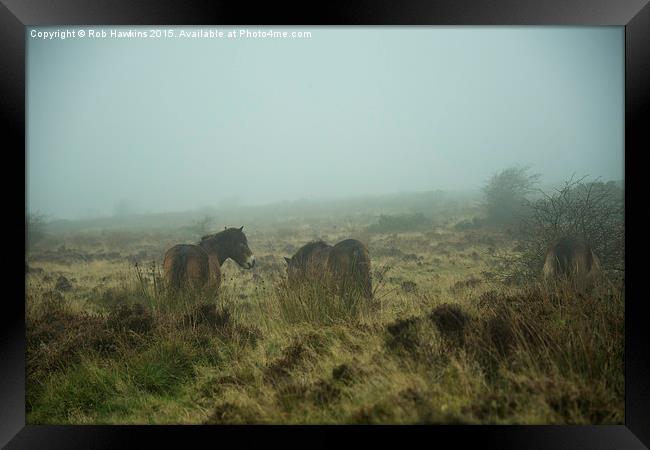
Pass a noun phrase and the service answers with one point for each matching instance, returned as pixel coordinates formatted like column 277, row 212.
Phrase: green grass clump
column 317, row 304
column 162, row 368
column 84, row 389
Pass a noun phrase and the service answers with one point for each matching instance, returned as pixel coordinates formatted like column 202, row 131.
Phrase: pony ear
column 288, row 260
column 241, row 228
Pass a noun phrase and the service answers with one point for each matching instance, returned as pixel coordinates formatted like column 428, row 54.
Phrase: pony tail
column 550, row 265
column 179, row 266
column 362, row 267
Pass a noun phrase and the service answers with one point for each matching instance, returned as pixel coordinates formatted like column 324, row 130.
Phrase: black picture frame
column 634, row 15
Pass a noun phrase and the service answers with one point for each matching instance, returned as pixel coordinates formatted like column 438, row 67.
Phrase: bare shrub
column 35, row 229
column 591, row 209
column 505, row 194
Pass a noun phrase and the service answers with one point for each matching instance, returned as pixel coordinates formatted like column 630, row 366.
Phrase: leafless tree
column 505, row 194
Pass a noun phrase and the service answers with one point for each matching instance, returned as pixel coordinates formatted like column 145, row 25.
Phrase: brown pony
column 193, row 264
column 571, row 258
column 344, row 266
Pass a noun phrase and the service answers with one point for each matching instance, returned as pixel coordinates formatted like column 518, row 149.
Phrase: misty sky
column 176, row 124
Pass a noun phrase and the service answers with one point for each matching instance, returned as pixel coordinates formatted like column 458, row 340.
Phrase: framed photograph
column 266, row 220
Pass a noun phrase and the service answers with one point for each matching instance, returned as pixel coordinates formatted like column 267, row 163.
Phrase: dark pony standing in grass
column 571, row 258
column 344, row 266
column 200, row 264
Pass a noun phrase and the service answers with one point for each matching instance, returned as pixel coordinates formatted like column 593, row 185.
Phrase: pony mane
column 227, row 232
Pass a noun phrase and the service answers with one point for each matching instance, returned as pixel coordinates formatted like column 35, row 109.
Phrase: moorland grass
column 441, row 342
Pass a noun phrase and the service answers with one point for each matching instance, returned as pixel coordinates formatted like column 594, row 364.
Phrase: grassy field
column 443, row 340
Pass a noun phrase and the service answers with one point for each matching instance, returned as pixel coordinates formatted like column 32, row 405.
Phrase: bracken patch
column 232, row 413
column 451, row 321
column 403, row 335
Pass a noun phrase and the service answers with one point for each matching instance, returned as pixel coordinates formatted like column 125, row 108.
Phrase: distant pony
column 196, row 265
column 344, row 266
column 571, row 258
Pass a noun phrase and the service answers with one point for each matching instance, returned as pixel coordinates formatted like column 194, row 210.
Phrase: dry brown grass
column 440, row 343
